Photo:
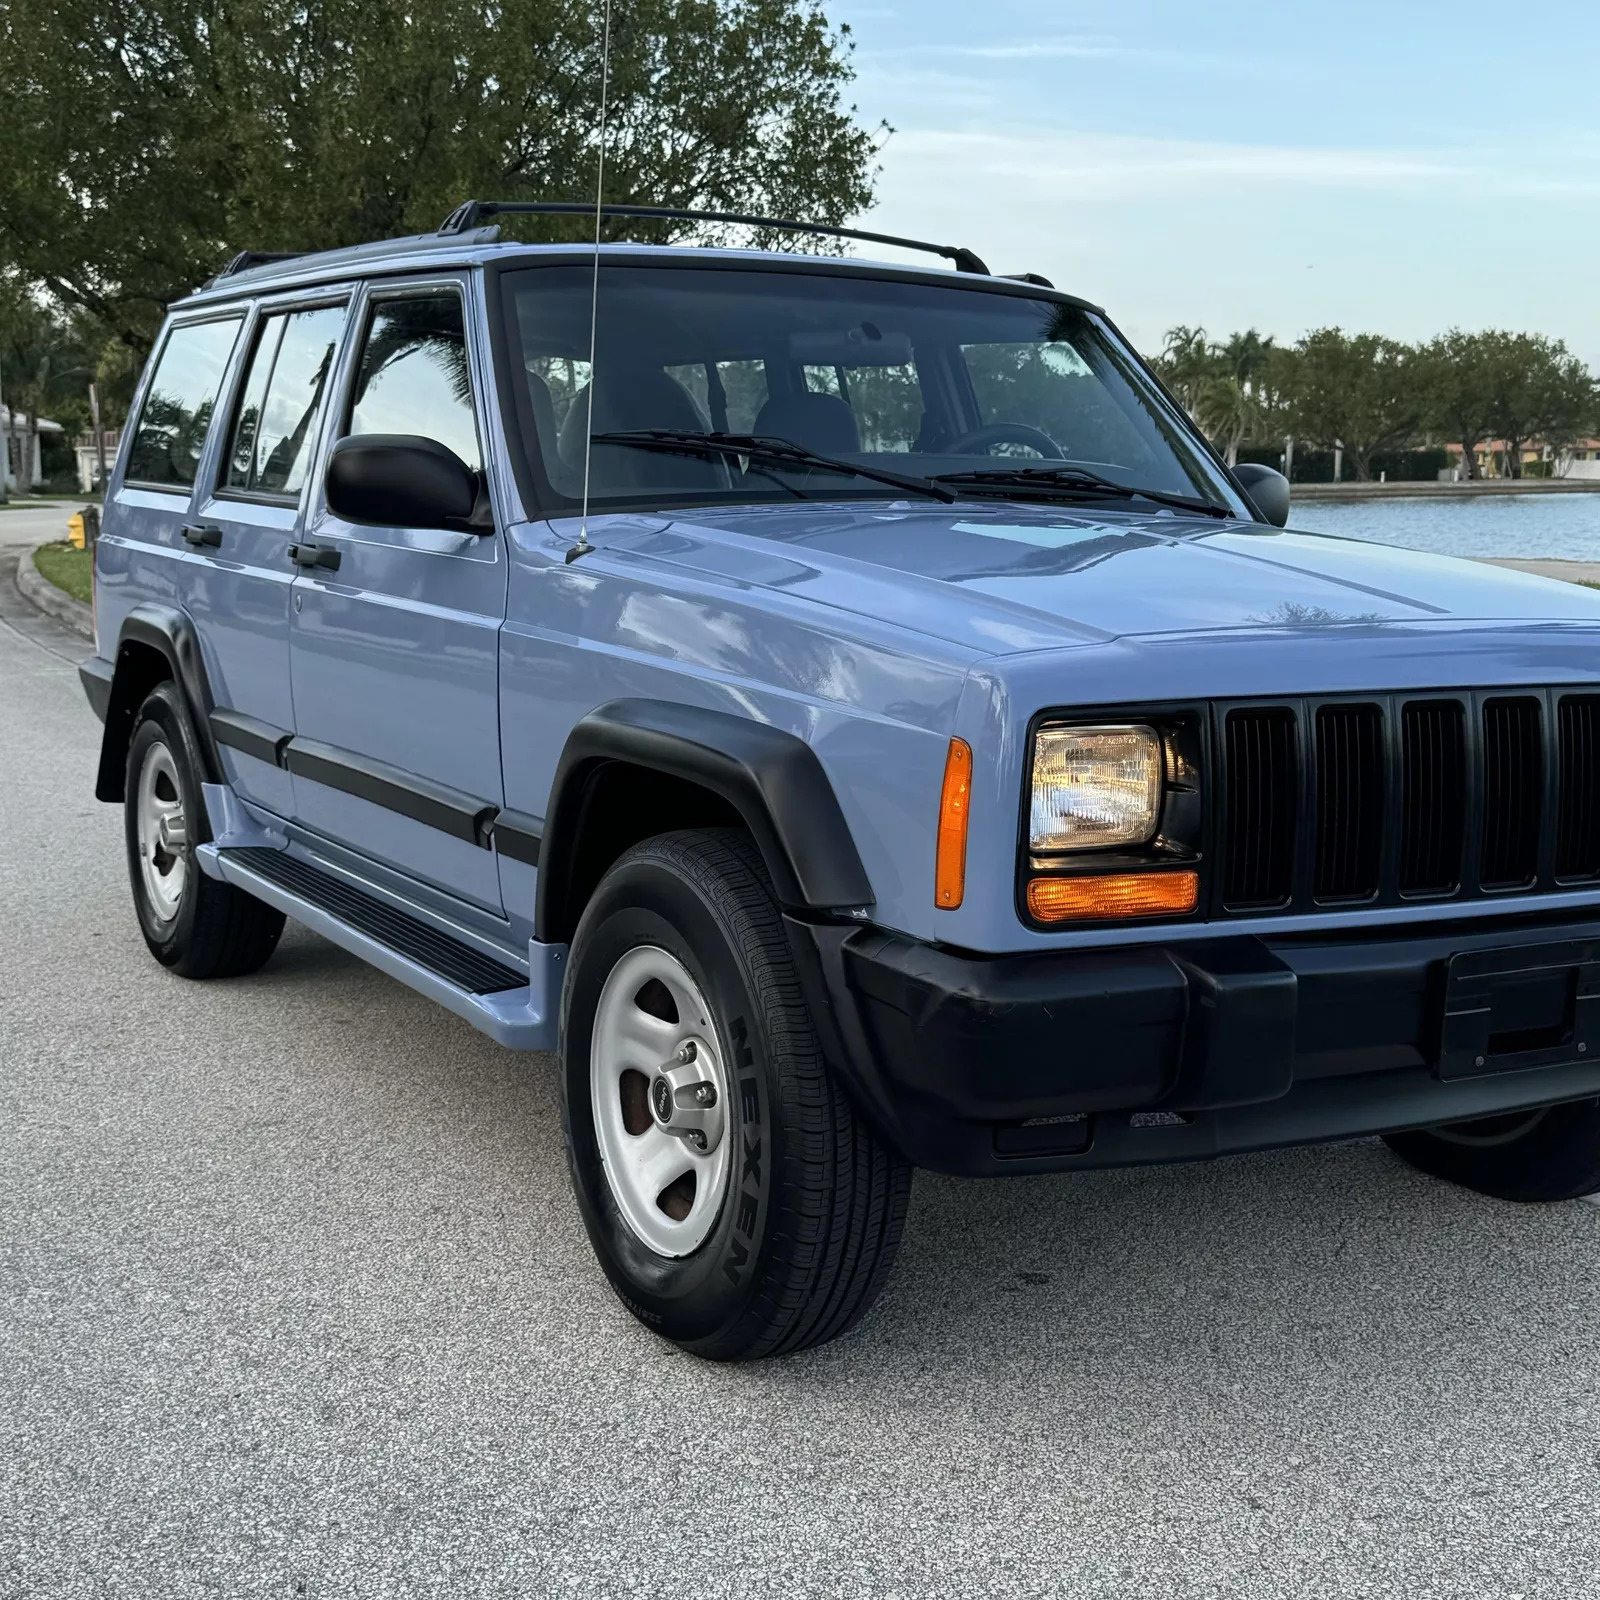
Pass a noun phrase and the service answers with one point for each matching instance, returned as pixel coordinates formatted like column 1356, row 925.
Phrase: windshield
column 917, row 379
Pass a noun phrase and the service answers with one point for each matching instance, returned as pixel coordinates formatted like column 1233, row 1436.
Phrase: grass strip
column 66, row 567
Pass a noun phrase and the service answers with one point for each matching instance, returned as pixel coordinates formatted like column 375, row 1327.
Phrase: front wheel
column 1550, row 1153
column 737, row 1202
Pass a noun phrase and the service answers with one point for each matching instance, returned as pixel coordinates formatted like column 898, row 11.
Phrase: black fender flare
column 171, row 633
column 771, row 778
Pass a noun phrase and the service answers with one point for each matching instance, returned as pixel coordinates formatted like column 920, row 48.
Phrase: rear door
column 239, row 574
column 394, row 651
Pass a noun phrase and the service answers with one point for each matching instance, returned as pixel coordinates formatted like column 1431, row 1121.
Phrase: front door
column 395, row 631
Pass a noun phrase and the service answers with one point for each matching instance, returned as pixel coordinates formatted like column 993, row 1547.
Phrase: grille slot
column 1433, row 796
column 1349, row 802
column 1260, row 807
column 1578, row 796
column 1513, row 789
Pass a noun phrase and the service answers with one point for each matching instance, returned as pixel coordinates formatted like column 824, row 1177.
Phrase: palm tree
column 1248, row 357
column 1228, row 413
column 1186, row 363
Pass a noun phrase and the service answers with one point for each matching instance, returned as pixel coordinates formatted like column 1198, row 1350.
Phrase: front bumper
column 1201, row 1047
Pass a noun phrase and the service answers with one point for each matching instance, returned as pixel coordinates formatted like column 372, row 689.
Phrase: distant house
column 1582, row 460
column 24, row 452
column 1578, row 460
column 89, row 457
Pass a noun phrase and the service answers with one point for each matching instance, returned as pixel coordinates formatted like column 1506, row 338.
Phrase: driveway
column 294, row 1301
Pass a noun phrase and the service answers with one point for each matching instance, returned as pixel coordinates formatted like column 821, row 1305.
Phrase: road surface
column 294, row 1301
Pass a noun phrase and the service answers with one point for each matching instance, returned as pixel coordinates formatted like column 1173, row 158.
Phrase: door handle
column 202, row 533
column 314, row 555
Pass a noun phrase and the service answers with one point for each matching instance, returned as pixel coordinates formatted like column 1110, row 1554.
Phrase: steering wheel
column 980, row 439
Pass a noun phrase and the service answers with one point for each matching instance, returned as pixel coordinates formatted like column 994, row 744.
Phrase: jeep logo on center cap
column 661, row 1099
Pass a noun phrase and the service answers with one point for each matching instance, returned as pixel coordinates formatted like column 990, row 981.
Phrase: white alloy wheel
column 660, row 1096
column 162, row 832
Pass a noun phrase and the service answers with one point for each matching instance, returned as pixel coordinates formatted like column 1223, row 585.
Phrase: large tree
column 1355, row 390
column 1538, row 391
column 146, row 140
column 1456, row 378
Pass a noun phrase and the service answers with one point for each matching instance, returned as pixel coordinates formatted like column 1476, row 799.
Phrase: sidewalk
column 1571, row 571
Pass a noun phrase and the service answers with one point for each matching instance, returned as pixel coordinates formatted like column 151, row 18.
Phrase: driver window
column 415, row 376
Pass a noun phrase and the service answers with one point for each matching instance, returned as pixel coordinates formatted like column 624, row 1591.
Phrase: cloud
column 1081, row 166
column 1039, row 50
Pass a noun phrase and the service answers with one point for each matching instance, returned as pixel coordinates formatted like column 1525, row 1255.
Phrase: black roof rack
column 472, row 212
column 256, row 258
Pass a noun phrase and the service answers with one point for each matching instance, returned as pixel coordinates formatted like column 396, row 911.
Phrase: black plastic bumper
column 95, row 675
column 1037, row 1063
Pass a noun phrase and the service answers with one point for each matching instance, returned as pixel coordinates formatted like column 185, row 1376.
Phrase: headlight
column 1095, row 788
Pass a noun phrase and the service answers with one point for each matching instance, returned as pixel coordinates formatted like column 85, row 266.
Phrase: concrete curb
column 43, row 595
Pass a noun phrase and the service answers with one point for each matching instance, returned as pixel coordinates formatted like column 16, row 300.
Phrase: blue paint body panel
column 873, row 630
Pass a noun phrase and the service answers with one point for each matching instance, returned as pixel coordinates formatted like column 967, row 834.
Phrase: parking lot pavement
column 295, row 1302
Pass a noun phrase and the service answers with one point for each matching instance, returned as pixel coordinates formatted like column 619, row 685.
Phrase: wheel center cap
column 661, row 1100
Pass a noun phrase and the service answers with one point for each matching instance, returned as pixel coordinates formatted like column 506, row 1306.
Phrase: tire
column 195, row 925
column 790, row 1241
column 1551, row 1153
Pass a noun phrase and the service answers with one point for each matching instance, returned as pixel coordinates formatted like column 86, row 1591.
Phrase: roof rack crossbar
column 472, row 212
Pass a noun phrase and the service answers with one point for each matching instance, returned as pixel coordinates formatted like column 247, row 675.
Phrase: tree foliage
column 1371, row 396
column 1359, row 391
column 148, row 141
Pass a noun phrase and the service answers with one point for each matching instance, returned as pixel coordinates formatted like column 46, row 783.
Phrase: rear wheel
column 197, row 926
column 1550, row 1153
column 737, row 1202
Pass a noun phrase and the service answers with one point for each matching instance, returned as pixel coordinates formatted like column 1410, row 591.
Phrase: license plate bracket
column 1507, row 1010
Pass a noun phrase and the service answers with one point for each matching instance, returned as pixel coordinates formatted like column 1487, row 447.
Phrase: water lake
column 1564, row 526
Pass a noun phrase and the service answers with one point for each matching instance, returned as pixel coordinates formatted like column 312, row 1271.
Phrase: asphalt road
column 295, row 1302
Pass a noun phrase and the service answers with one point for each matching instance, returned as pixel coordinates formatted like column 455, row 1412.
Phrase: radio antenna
column 583, row 547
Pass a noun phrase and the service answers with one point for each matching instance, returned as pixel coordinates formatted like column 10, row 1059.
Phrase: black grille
column 1262, row 785
column 1388, row 798
column 1433, row 796
column 1349, row 801
column 1578, row 802
column 1513, row 785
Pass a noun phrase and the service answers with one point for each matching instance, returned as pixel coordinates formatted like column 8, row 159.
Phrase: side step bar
column 518, row 1011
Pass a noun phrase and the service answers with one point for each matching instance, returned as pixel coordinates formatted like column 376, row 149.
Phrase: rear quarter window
column 176, row 416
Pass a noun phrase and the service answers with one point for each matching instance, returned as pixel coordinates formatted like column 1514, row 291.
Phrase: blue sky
column 1394, row 168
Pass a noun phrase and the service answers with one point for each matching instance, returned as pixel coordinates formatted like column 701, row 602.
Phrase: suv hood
column 1004, row 577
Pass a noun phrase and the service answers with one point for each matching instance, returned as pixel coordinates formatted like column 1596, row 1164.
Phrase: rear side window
column 177, row 411
column 275, row 429
column 414, row 375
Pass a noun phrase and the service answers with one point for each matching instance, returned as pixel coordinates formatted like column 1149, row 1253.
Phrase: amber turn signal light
column 955, row 801
column 1120, row 894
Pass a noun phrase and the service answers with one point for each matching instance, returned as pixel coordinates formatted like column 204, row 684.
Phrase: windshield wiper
column 767, row 448
column 1074, row 481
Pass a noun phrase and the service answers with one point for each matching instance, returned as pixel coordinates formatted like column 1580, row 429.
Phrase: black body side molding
column 771, row 779
column 250, row 735
column 517, row 837
column 462, row 816
column 171, row 634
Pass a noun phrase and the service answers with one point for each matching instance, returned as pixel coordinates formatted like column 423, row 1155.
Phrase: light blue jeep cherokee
column 925, row 751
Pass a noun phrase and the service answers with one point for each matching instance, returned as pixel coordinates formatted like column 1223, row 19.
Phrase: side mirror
column 1268, row 491
column 401, row 480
